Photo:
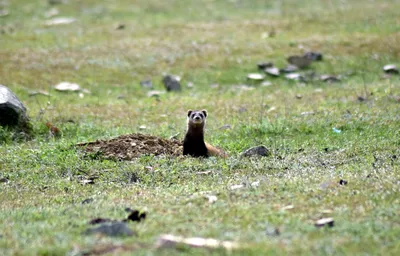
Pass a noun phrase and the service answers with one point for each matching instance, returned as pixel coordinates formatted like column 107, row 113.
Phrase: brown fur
column 194, row 144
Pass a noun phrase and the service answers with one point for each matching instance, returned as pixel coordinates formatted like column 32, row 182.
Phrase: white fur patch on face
column 197, row 121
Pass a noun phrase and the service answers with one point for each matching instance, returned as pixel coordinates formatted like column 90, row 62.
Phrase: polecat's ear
column 189, row 112
column 204, row 112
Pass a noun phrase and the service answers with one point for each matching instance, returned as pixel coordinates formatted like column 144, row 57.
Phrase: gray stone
column 295, row 77
column 391, row 69
column 172, row 83
column 146, row 84
column 264, row 65
column 329, row 78
column 299, row 61
column 116, row 228
column 256, row 151
column 274, row 71
column 289, row 69
column 12, row 111
column 315, row 56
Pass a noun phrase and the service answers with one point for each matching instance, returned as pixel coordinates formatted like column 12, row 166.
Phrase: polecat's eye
column 201, row 115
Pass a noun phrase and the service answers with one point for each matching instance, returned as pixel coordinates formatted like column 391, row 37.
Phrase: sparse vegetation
column 207, row 43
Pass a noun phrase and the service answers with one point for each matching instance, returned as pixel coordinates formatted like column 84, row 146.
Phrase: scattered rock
column 51, row 13
column 273, row 71
column 127, row 147
column 111, row 229
column 99, row 221
column 342, row 182
column 67, row 87
column 299, row 61
column 391, row 69
column 307, row 113
column 325, row 222
column 211, row 198
column 256, row 151
column 12, row 111
column 288, row 207
column 155, row 93
column 189, row 85
column 4, row 13
column 315, row 56
column 87, row 182
column 270, row 230
column 204, row 173
column 146, row 84
column 266, row 83
column 59, row 21
column 238, row 186
column 172, row 83
column 4, row 180
column 264, row 65
column 329, row 78
column 54, row 2
column 255, row 184
column 87, row 201
column 225, row 127
column 335, row 130
column 120, row 26
column 255, row 76
column 135, row 215
column 295, row 77
column 299, row 96
column 289, row 69
column 39, row 92
column 171, row 241
column 361, row 98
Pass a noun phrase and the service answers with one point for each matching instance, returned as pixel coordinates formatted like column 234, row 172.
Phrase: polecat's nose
column 196, row 118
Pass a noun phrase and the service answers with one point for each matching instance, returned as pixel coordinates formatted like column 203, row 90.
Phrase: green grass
column 205, row 42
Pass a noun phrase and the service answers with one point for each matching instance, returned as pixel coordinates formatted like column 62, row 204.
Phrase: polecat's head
column 196, row 117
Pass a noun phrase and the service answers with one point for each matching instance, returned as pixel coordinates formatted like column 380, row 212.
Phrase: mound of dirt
column 127, row 147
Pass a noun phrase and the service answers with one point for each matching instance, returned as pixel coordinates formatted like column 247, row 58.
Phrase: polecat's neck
column 195, row 130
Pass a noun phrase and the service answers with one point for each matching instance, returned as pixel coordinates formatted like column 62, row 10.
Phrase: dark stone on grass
column 391, row 69
column 299, row 61
column 256, row 151
column 12, row 111
column 111, row 229
column 315, row 56
column 120, row 26
column 272, row 231
column 87, row 201
column 4, row 180
column 264, row 65
column 342, row 182
column 99, row 220
column 361, row 98
column 136, row 216
column 171, row 83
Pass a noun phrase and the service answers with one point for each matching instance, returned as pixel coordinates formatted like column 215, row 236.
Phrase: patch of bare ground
column 128, row 147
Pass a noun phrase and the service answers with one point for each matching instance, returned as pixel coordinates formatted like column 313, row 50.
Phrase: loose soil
column 127, row 147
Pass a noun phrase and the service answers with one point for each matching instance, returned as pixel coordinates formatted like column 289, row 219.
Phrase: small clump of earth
column 128, row 147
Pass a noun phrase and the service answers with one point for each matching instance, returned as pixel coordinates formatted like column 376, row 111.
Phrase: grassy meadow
column 318, row 133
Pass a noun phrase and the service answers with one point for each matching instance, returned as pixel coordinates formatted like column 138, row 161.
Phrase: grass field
column 210, row 42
